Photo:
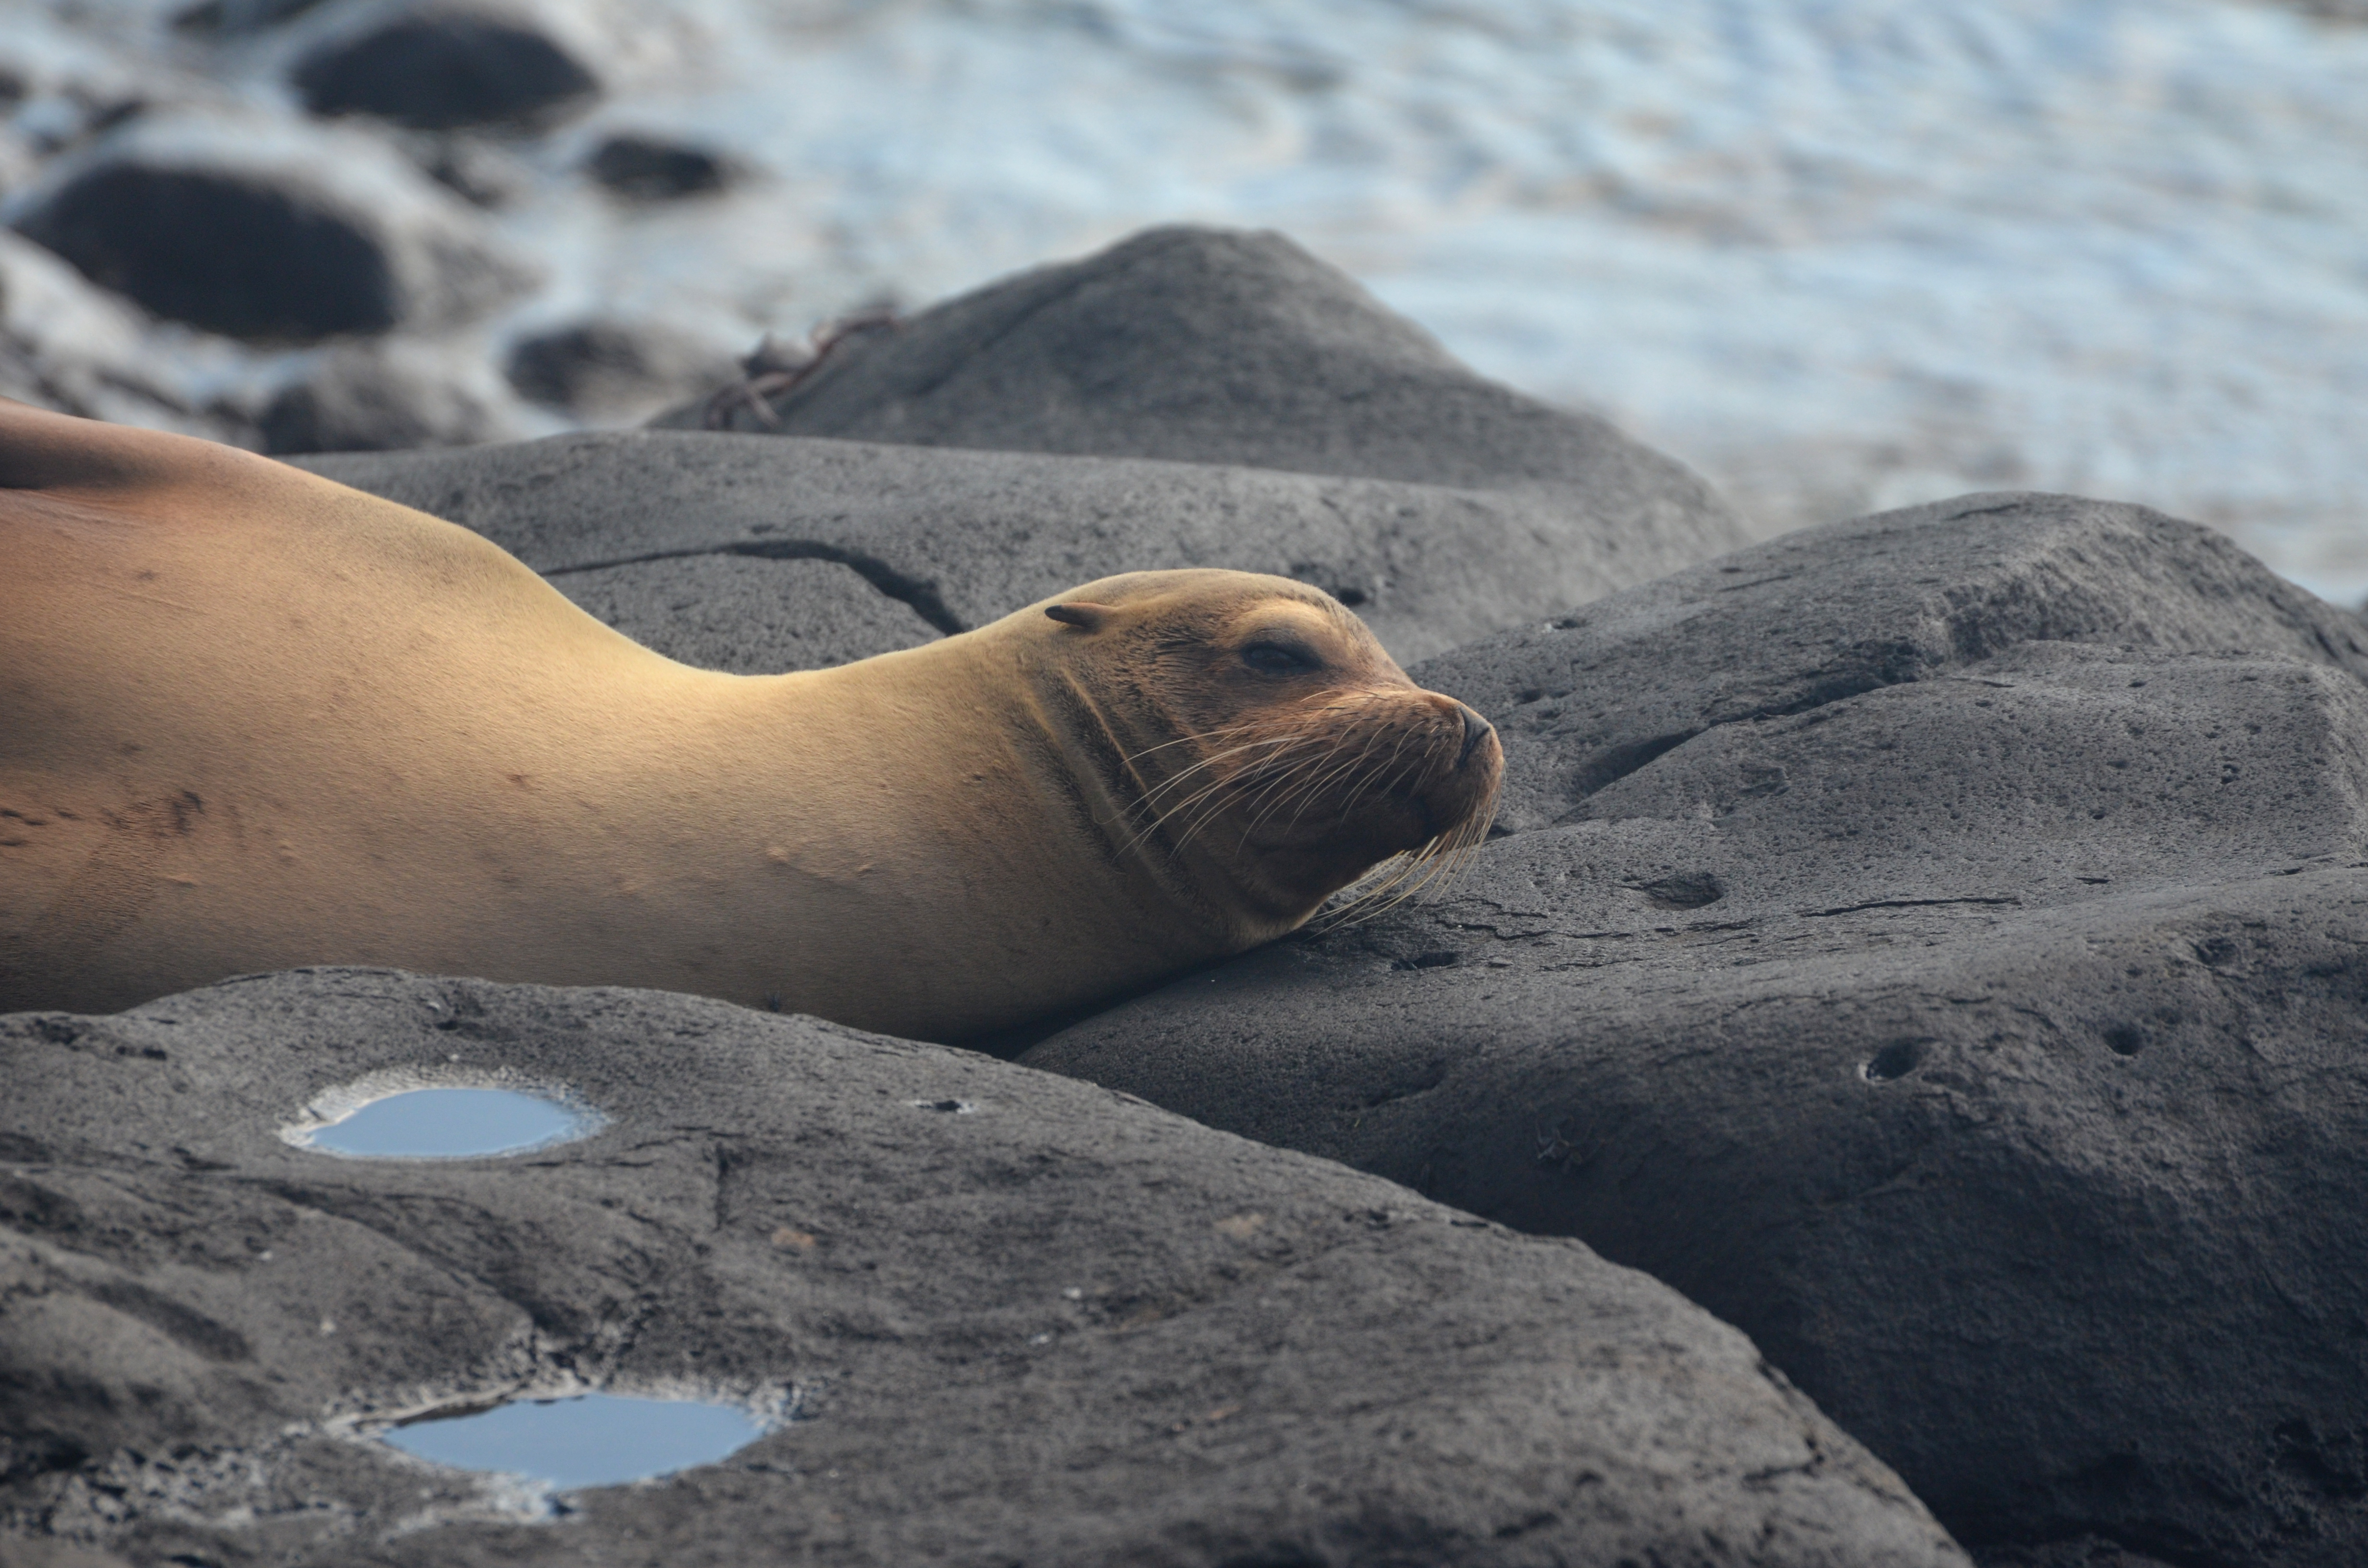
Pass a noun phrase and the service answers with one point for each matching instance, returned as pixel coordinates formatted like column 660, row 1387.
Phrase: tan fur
column 252, row 720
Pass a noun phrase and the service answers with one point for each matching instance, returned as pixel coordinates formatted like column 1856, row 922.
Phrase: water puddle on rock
column 396, row 1121
column 593, row 1439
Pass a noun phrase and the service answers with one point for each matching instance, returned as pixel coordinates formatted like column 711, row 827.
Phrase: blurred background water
column 1840, row 255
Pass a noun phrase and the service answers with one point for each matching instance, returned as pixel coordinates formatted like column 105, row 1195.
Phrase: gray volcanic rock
column 374, row 397
column 1805, row 619
column 1223, row 346
column 1008, row 1317
column 966, row 536
column 1300, row 429
column 2079, row 1552
column 1934, row 944
column 259, row 230
column 439, row 64
column 749, row 615
column 602, row 369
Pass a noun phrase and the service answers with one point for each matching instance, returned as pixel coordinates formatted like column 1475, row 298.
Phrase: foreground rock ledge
column 1016, row 1318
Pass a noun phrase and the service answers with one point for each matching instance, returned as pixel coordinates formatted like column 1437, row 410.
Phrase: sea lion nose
column 1475, row 729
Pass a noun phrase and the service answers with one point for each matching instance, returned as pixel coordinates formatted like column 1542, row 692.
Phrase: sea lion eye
column 1278, row 658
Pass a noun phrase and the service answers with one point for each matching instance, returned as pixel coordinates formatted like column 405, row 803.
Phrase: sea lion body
column 252, row 720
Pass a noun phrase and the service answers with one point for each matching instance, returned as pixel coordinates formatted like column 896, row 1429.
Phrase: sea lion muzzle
column 1475, row 729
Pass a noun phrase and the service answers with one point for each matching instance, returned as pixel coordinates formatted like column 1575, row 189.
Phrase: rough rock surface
column 1010, row 1317
column 440, row 65
column 257, row 230
column 1933, row 943
column 2080, row 1551
column 1224, row 346
column 964, row 537
column 750, row 615
column 1517, row 511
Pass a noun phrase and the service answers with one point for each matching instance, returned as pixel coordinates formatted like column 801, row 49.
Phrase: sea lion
column 253, row 720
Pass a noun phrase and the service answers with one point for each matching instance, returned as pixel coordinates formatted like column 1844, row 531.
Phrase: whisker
column 1276, row 747
column 1315, row 754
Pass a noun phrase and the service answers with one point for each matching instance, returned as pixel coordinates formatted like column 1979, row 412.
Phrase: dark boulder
column 1221, row 346
column 1828, row 613
column 439, row 64
column 613, row 371
column 258, row 232
column 67, row 346
column 265, row 262
column 1010, row 1317
column 1933, row 943
column 644, row 168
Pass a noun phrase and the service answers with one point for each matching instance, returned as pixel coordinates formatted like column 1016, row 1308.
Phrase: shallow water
column 596, row 1439
column 452, row 1123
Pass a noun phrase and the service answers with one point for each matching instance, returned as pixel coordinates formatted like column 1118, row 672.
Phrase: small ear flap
column 1083, row 615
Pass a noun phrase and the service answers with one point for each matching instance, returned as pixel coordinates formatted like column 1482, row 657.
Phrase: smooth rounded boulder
column 263, row 231
column 444, row 65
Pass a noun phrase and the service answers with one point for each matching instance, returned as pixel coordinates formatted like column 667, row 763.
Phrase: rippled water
column 1839, row 253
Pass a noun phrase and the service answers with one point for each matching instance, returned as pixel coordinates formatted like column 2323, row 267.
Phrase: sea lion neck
column 1108, row 746
column 1135, row 768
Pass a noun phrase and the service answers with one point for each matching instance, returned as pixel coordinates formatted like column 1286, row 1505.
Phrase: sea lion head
column 1258, row 736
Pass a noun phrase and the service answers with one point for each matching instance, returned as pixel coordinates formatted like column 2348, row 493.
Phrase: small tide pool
column 452, row 1121
column 592, row 1439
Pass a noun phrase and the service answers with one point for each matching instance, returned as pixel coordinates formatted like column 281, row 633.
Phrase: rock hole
column 398, row 1121
column 2333, row 1467
column 1896, row 1059
column 1687, row 890
column 594, row 1439
column 2125, row 1039
column 951, row 1108
column 2215, row 950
